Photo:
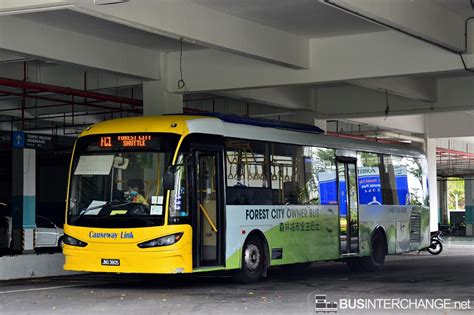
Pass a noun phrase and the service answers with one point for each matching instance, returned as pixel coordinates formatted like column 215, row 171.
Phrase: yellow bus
column 182, row 194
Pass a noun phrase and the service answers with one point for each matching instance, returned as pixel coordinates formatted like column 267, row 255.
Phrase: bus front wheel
column 253, row 261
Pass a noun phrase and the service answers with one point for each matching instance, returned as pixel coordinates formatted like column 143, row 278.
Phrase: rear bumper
column 172, row 261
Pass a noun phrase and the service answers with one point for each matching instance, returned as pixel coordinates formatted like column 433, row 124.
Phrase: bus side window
column 247, row 172
column 415, row 181
column 368, row 171
column 303, row 175
column 389, row 179
column 246, row 163
column 286, row 173
column 321, row 180
column 409, row 180
column 424, row 171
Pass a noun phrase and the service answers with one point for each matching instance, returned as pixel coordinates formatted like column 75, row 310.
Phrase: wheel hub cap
column 252, row 257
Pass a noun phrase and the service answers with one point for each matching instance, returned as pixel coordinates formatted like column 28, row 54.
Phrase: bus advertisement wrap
column 370, row 191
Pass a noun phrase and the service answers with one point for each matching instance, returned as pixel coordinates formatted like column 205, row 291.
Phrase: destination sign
column 128, row 141
column 125, row 141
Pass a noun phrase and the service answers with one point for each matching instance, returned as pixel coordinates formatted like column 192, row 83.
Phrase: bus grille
column 415, row 227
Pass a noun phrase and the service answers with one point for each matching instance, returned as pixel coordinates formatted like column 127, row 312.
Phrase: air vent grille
column 415, row 227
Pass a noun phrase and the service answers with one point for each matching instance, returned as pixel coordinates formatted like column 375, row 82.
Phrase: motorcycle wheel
column 435, row 248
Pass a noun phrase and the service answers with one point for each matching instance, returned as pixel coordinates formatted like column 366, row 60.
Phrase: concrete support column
column 23, row 198
column 469, row 199
column 158, row 101
column 308, row 117
column 443, row 201
column 432, row 182
column 156, row 98
column 321, row 124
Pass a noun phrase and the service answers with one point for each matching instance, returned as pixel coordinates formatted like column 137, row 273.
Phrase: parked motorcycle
column 436, row 244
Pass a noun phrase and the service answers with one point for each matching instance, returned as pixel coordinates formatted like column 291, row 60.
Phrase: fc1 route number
column 129, row 141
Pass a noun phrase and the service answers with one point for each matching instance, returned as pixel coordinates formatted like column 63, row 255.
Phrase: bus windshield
column 116, row 180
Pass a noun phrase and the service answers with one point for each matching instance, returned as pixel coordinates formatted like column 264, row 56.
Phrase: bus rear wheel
column 376, row 260
column 253, row 261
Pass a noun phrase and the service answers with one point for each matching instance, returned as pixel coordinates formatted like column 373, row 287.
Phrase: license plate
column 110, row 262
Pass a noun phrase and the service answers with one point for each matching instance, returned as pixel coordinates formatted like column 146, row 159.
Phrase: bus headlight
column 162, row 241
column 71, row 241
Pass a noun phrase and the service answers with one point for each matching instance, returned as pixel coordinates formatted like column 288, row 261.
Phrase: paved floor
column 411, row 276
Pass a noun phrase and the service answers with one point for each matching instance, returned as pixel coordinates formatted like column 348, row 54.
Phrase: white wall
column 32, row 266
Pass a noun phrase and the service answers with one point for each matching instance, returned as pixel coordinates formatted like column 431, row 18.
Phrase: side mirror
column 169, row 178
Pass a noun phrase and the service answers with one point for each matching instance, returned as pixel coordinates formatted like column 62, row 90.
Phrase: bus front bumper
column 123, row 255
column 165, row 262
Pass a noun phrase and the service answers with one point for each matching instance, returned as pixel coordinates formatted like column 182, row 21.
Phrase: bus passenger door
column 208, row 209
column 348, row 206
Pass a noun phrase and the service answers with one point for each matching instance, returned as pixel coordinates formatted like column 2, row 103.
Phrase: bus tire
column 253, row 261
column 376, row 260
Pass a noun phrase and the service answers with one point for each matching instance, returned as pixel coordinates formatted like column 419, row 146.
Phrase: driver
column 134, row 187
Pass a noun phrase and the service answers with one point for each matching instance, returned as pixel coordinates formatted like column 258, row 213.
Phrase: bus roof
column 251, row 129
column 260, row 122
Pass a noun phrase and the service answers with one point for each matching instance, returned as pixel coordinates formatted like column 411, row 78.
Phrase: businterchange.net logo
column 324, row 305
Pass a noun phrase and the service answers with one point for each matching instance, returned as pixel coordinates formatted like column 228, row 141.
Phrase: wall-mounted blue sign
column 20, row 139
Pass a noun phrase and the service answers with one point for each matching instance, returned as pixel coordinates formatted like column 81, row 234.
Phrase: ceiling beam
column 450, row 125
column 416, row 88
column 420, row 19
column 67, row 75
column 456, row 92
column 208, row 28
column 284, row 97
column 12, row 7
column 408, row 123
column 335, row 59
column 350, row 101
column 52, row 43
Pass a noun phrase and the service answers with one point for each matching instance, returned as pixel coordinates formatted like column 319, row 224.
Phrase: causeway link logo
column 111, row 235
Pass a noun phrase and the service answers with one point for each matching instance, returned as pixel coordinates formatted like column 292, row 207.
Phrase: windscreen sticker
column 156, row 210
column 114, row 212
column 156, row 200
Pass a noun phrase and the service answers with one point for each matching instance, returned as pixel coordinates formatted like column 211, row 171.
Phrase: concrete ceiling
column 465, row 139
column 100, row 28
column 7, row 57
column 297, row 54
column 460, row 7
column 308, row 18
